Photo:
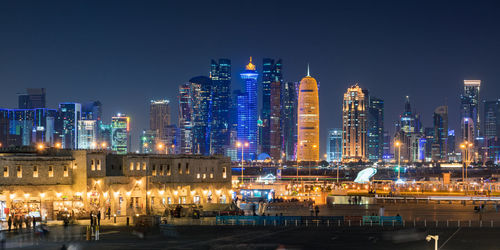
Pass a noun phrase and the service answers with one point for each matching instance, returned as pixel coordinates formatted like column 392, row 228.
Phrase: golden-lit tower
column 308, row 120
column 354, row 125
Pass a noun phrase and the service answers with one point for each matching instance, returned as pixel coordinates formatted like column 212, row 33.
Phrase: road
column 228, row 237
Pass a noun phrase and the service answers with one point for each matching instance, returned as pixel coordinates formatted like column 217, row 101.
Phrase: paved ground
column 227, row 237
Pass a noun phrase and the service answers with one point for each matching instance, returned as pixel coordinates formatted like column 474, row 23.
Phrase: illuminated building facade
column 159, row 116
column 271, row 72
column 275, row 122
column 93, row 111
column 24, row 127
column 308, row 120
column 202, row 86
column 247, row 113
column 120, row 128
column 470, row 103
column 46, row 184
column 354, row 125
column 375, row 129
column 289, row 98
column 468, row 129
column 440, row 147
column 148, row 142
column 186, row 113
column 220, row 74
column 87, row 134
column 69, row 116
column 334, row 145
column 491, row 119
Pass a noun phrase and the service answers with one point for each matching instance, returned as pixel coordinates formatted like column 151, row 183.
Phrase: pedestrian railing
column 347, row 221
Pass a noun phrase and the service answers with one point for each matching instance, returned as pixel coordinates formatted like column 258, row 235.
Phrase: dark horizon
column 123, row 53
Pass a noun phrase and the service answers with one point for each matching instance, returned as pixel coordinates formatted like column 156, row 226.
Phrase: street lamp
column 103, row 145
column 398, row 145
column 160, row 147
column 466, row 147
column 242, row 145
column 40, row 146
column 58, row 145
column 435, row 238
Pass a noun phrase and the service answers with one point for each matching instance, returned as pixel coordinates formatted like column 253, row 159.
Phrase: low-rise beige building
column 50, row 183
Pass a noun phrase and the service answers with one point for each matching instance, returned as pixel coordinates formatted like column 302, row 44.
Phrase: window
column 224, row 174
column 211, row 175
column 204, row 176
column 138, row 166
column 131, row 166
column 66, row 172
column 143, row 165
column 180, row 168
column 35, row 171
column 198, row 176
column 187, row 168
column 92, row 165
column 6, row 171
column 161, row 169
column 154, row 170
column 168, row 170
column 19, row 172
column 51, row 171
column 98, row 164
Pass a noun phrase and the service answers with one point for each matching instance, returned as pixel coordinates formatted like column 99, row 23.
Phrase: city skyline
column 422, row 60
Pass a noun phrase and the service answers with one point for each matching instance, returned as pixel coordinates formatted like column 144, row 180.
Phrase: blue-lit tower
column 247, row 114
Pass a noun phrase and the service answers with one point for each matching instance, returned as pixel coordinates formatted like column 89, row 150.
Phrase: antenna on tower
column 308, row 70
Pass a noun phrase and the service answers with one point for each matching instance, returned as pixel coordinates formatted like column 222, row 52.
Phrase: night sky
column 124, row 53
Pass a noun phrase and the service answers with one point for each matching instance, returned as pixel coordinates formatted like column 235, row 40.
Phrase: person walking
column 99, row 218
column 316, row 210
column 9, row 222
column 34, row 222
column 91, row 219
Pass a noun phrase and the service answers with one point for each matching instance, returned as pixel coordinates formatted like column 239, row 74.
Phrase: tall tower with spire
column 308, row 120
column 247, row 114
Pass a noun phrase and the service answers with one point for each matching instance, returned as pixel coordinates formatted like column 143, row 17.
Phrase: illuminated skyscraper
column 470, row 103
column 308, row 120
column 468, row 129
column 87, row 134
column 69, row 116
column 440, row 147
column 148, row 142
column 202, row 86
column 354, row 125
column 120, row 129
column 375, row 129
column 220, row 74
column 491, row 119
column 289, row 93
column 334, row 145
column 186, row 101
column 159, row 117
column 275, row 122
column 271, row 72
column 247, row 113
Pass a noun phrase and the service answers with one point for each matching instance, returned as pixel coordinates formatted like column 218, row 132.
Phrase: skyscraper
column 32, row 99
column 148, row 142
column 202, row 86
column 491, row 119
column 220, row 74
column 271, row 72
column 69, row 116
column 289, row 121
column 470, row 103
column 120, row 128
column 334, row 145
column 159, row 116
column 440, row 142
column 308, row 120
column 93, row 111
column 275, row 122
column 186, row 113
column 375, row 133
column 87, row 134
column 468, row 129
column 247, row 113
column 354, row 125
